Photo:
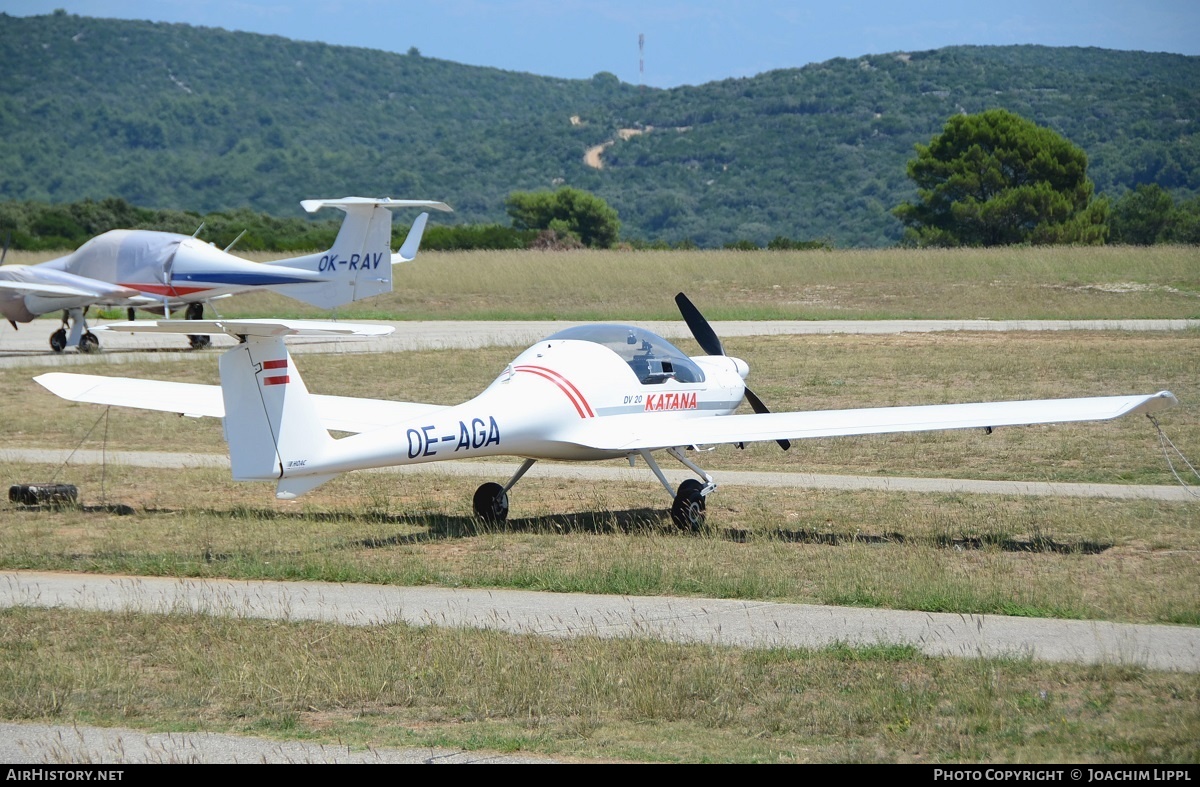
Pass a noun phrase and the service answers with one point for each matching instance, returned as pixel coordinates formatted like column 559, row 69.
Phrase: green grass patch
column 618, row 700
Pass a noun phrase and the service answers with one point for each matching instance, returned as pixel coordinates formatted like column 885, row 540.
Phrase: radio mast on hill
column 641, row 60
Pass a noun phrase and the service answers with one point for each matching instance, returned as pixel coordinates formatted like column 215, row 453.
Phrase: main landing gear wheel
column 687, row 512
column 88, row 343
column 58, row 340
column 195, row 311
column 491, row 503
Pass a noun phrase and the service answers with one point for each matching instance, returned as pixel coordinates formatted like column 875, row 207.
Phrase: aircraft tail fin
column 359, row 265
column 271, row 423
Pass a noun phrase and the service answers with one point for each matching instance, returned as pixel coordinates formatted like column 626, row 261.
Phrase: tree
column 570, row 211
column 1143, row 216
column 995, row 179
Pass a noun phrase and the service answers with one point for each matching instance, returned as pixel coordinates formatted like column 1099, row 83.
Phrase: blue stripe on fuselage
column 240, row 279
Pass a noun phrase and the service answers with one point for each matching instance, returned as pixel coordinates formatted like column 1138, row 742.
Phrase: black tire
column 131, row 313
column 199, row 341
column 58, row 340
column 195, row 311
column 688, row 510
column 43, row 494
column 491, row 503
column 88, row 343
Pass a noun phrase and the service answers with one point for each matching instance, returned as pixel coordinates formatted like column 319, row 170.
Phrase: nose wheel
column 687, row 504
column 195, row 311
column 687, row 512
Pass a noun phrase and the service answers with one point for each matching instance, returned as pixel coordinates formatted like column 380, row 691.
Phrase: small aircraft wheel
column 195, row 311
column 687, row 512
column 199, row 341
column 58, row 340
column 88, row 343
column 491, row 503
column 131, row 313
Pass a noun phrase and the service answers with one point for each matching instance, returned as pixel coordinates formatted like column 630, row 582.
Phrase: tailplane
column 359, row 265
column 271, row 421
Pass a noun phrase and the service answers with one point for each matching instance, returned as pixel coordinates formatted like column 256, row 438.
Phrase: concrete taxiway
column 29, row 346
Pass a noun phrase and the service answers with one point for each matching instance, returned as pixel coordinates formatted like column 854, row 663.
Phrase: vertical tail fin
column 271, row 424
column 359, row 265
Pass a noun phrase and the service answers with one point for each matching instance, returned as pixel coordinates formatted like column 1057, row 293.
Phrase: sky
column 687, row 42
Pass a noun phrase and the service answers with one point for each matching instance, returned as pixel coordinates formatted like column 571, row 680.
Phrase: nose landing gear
column 195, row 311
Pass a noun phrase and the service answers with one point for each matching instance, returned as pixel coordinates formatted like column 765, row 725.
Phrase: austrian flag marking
column 280, row 379
column 671, row 401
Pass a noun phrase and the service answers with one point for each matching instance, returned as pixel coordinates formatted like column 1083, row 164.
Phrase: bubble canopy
column 652, row 358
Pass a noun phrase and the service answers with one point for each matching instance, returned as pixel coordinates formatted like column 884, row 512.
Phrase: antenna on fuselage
column 235, row 240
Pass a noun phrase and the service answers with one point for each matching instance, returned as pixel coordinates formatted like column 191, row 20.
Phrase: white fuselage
column 531, row 410
column 140, row 268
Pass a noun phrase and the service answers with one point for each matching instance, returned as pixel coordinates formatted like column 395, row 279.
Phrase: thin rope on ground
column 104, row 416
column 1165, row 442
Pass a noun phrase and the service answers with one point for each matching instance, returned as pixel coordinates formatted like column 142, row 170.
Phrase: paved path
column 620, row 472
column 753, row 624
column 61, row 744
column 29, row 346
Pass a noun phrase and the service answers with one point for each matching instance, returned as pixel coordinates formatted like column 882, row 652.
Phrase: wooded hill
column 202, row 119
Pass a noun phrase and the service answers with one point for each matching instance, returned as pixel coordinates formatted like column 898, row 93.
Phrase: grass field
column 1010, row 283
column 1120, row 560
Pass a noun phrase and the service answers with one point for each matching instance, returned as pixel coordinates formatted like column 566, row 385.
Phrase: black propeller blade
column 705, row 336
column 708, row 340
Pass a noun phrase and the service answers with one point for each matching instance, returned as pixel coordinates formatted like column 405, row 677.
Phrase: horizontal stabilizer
column 336, row 413
column 313, row 205
column 259, row 327
column 162, row 395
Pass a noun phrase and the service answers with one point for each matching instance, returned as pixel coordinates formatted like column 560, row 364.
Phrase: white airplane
column 586, row 393
column 164, row 271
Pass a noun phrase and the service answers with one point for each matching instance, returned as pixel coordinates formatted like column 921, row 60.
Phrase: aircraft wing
column 47, row 289
column 44, row 280
column 642, row 431
column 337, row 413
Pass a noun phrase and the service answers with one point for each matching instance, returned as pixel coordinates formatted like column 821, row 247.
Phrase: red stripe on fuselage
column 165, row 289
column 565, row 385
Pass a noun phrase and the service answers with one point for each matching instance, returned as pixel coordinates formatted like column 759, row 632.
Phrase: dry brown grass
column 1006, row 283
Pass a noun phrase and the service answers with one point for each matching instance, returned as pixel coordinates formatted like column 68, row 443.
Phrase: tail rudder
column 359, row 264
column 271, row 424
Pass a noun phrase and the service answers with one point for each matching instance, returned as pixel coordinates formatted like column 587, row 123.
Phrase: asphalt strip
column 621, row 473
column 749, row 624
